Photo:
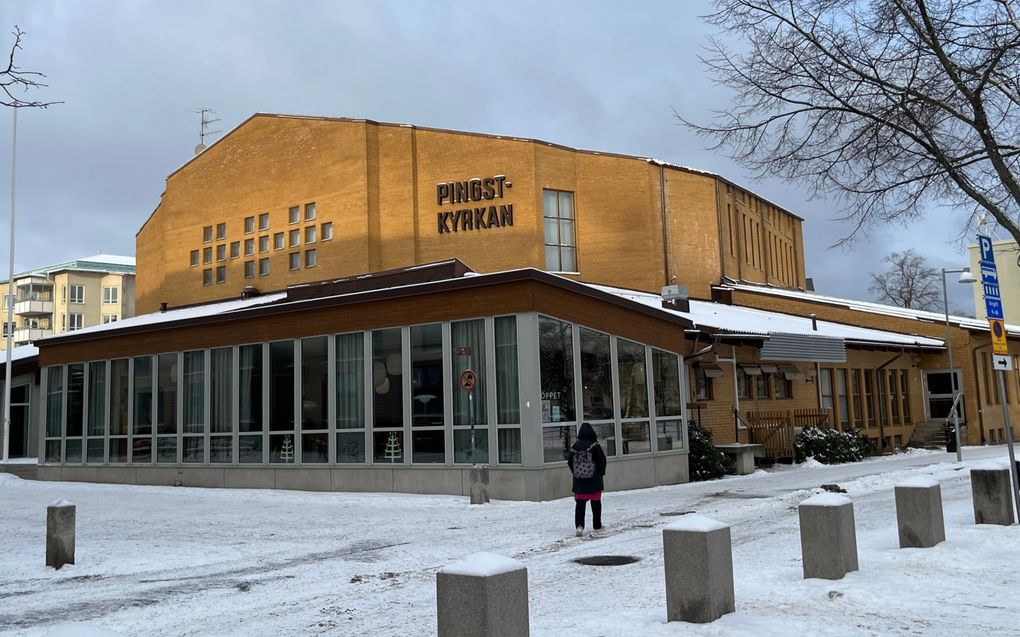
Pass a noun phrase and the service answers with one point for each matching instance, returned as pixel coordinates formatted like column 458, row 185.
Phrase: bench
column 743, row 455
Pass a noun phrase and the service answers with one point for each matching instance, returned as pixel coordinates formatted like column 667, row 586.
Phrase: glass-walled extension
column 449, row 393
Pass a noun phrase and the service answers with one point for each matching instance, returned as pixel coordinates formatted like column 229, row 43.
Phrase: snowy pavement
column 183, row 561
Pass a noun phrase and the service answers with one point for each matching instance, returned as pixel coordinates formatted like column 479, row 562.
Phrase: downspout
column 977, row 407
column 666, row 245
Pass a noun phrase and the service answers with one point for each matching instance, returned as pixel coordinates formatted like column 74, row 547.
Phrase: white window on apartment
column 77, row 293
column 109, row 318
column 279, row 241
column 221, row 231
column 207, row 276
column 221, row 252
column 264, row 221
column 310, row 234
column 194, row 258
column 235, row 249
column 111, row 295
column 264, row 243
column 207, row 234
column 249, row 247
column 77, row 322
column 327, row 231
column 249, row 225
column 263, row 267
column 310, row 259
column 294, row 214
column 309, row 211
column 221, row 274
column 63, row 322
column 560, row 248
column 8, row 328
column 295, row 238
column 8, row 299
column 249, row 269
column 295, row 260
column 206, row 255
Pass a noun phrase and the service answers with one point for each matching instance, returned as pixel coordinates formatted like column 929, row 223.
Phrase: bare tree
column 14, row 79
column 909, row 282
column 889, row 105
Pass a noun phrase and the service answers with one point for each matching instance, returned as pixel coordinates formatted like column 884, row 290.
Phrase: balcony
column 33, row 308
column 27, row 335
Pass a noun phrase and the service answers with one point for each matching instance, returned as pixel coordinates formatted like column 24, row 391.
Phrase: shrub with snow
column 830, row 446
column 706, row 461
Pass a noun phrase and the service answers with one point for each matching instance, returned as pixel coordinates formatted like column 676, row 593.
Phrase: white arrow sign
column 1002, row 363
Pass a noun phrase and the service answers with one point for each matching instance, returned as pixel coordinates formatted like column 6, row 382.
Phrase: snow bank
column 811, row 463
column 696, row 523
column 991, row 465
column 482, row 564
column 82, row 630
column 827, row 500
column 62, row 503
column 920, row 482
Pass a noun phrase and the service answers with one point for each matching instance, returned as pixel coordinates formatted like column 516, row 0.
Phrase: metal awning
column 751, row 370
column 791, row 372
column 711, row 369
column 803, row 347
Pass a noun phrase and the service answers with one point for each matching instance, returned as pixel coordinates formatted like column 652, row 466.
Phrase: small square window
column 279, row 241
column 221, row 274
column 194, row 258
column 249, row 225
column 295, row 238
column 310, row 259
column 207, row 234
column 221, row 231
column 294, row 214
column 263, row 267
column 221, row 252
column 295, row 260
column 206, row 255
column 309, row 211
column 310, row 234
column 327, row 231
column 207, row 276
column 249, row 247
column 264, row 243
column 264, row 221
column 235, row 249
column 249, row 269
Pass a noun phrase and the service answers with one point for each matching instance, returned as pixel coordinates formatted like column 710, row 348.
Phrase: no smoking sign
column 468, row 380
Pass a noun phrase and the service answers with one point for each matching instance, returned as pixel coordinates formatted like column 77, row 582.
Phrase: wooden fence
column 775, row 428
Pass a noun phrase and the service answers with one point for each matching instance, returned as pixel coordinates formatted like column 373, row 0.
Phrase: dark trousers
column 596, row 513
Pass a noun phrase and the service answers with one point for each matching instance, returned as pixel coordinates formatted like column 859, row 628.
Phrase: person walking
column 587, row 462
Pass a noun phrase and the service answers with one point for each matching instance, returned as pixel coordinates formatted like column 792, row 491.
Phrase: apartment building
column 68, row 296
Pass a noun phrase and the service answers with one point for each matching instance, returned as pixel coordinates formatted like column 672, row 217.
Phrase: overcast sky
column 593, row 75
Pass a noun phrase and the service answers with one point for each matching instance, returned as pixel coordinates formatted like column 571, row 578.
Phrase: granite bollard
column 990, row 490
column 483, row 595
column 828, row 539
column 479, row 479
column 60, row 533
column 919, row 513
column 698, row 562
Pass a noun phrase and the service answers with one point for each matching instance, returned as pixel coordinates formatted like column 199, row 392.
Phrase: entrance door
column 938, row 394
column 18, row 440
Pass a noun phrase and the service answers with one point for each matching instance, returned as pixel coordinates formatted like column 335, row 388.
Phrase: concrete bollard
column 698, row 562
column 484, row 595
column 919, row 513
column 990, row 490
column 60, row 533
column 828, row 539
column 479, row 485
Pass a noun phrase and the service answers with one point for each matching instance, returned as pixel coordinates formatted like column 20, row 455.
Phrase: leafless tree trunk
column 891, row 105
column 909, row 282
column 14, row 80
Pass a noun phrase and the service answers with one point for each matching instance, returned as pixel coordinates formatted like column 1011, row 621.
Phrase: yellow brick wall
column 376, row 183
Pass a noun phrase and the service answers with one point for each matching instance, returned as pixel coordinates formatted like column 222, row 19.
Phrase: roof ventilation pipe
column 814, row 322
column 249, row 291
column 162, row 307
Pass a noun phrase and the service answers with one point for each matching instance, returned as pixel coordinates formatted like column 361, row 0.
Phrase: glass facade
column 410, row 395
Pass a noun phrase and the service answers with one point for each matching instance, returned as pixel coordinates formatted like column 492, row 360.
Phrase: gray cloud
column 594, row 75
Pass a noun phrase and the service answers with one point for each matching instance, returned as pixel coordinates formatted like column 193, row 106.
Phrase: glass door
column 938, row 394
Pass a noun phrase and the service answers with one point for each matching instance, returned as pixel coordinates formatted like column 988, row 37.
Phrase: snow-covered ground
column 183, row 561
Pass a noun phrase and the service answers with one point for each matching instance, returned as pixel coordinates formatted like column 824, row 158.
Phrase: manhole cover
column 607, row 560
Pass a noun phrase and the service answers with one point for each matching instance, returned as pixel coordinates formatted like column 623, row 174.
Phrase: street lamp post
column 965, row 277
